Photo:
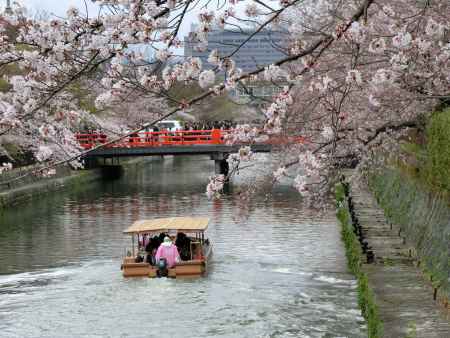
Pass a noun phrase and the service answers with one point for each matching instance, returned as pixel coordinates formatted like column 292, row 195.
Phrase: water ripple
column 279, row 271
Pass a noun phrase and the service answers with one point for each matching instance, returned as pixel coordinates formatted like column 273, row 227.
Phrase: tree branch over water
column 352, row 72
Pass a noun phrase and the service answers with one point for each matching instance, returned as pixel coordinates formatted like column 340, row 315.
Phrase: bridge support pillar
column 111, row 172
column 220, row 163
column 221, row 167
column 93, row 162
column 90, row 163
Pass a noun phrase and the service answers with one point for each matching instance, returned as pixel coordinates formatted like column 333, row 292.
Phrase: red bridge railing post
column 216, row 136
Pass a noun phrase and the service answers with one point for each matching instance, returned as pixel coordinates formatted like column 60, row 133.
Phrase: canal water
column 278, row 269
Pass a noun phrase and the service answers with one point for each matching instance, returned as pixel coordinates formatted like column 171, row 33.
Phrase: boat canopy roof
column 186, row 224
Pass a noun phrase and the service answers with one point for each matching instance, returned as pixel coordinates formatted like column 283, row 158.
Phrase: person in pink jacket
column 169, row 251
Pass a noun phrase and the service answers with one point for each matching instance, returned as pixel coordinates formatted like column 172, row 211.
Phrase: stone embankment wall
column 26, row 188
column 32, row 186
column 424, row 221
column 401, row 302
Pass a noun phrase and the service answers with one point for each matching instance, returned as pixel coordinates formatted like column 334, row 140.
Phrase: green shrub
column 437, row 166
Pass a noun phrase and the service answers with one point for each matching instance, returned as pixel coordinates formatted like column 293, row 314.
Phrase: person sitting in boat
column 183, row 244
column 169, row 251
column 140, row 257
column 151, row 248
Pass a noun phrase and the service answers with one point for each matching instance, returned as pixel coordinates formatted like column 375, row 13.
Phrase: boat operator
column 168, row 251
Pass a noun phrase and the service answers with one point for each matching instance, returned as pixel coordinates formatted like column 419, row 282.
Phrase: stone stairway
column 404, row 297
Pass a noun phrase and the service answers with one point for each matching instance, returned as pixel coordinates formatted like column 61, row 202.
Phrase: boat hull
column 192, row 268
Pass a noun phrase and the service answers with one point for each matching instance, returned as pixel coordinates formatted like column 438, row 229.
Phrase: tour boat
column 194, row 254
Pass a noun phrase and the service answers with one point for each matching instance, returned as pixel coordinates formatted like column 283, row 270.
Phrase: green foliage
column 412, row 330
column 368, row 306
column 4, row 85
column 216, row 108
column 437, row 168
column 366, row 299
column 6, row 71
column 427, row 159
column 414, row 149
column 339, row 192
column 180, row 91
column 21, row 157
column 84, row 97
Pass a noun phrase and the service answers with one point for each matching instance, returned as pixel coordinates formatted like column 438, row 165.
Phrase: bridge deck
column 199, row 149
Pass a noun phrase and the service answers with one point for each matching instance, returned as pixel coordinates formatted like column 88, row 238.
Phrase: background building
column 263, row 49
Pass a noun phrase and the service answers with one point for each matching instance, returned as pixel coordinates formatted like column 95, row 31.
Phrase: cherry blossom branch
column 391, row 127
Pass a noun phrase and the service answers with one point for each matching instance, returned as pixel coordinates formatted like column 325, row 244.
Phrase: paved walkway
column 404, row 298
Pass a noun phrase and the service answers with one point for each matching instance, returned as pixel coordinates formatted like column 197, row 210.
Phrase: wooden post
column 132, row 244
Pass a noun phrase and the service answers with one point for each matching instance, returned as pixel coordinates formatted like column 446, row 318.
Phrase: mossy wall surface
column 424, row 218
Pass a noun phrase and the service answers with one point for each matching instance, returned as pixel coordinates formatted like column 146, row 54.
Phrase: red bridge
column 184, row 142
column 157, row 139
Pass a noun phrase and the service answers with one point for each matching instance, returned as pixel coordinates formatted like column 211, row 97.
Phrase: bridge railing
column 156, row 139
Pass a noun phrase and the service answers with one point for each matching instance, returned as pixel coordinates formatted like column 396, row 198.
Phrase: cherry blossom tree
column 356, row 73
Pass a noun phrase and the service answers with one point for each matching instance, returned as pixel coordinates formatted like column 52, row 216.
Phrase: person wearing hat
column 169, row 251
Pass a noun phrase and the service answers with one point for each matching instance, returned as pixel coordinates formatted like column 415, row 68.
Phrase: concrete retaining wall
column 424, row 219
column 25, row 192
column 31, row 186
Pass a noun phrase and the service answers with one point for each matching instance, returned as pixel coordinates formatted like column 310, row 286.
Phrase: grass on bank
column 353, row 251
column 429, row 160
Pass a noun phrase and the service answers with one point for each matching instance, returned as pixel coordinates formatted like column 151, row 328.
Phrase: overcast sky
column 59, row 8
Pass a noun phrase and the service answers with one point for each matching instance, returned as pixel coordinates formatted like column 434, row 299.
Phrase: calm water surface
column 278, row 269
